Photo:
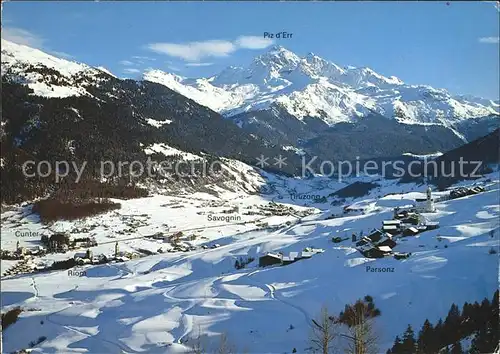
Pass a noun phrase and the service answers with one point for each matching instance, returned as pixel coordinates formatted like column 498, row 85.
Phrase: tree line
column 478, row 321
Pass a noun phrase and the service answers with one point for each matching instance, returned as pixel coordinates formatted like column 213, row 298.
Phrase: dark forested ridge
column 373, row 136
column 112, row 124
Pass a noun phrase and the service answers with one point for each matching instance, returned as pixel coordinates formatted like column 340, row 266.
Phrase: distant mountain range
column 57, row 110
column 314, row 87
column 294, row 96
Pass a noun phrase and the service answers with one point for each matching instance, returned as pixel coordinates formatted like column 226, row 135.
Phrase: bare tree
column 361, row 338
column 323, row 332
column 360, row 334
column 224, row 346
column 197, row 347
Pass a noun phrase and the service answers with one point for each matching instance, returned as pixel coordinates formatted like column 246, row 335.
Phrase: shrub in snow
column 10, row 317
column 55, row 209
column 69, row 263
column 38, row 341
column 241, row 262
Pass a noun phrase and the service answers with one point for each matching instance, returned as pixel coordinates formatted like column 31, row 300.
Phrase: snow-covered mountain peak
column 317, row 66
column 277, row 58
column 46, row 74
column 14, row 54
column 364, row 76
column 165, row 75
column 279, row 50
column 313, row 86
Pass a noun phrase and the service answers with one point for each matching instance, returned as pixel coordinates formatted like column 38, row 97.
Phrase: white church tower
column 426, row 205
column 430, row 202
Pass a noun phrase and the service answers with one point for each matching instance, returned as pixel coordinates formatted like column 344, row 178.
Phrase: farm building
column 399, row 255
column 306, row 255
column 384, row 249
column 463, row 191
column 278, row 258
column 375, row 235
column 378, row 236
column 81, row 255
column 386, row 240
column 431, row 225
column 402, row 212
column 391, row 229
column 410, row 231
column 292, row 257
column 396, row 223
column 314, row 250
column 59, row 241
column 364, row 241
column 308, row 252
column 84, row 255
column 352, row 210
column 411, row 218
column 270, row 259
column 372, row 251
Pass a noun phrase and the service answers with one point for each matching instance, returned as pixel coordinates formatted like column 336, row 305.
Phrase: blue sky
column 453, row 46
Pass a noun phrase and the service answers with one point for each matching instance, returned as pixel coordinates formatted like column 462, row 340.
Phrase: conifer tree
column 439, row 334
column 409, row 344
column 397, row 347
column 426, row 338
column 451, row 329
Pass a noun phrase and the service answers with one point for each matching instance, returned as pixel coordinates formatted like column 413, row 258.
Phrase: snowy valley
column 160, row 303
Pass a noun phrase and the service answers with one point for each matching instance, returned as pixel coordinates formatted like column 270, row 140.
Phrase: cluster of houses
column 353, row 210
column 82, row 258
column 377, row 244
column 57, row 242
column 275, row 209
column 281, row 259
column 61, row 242
column 87, row 257
column 22, row 253
column 175, row 240
column 380, row 242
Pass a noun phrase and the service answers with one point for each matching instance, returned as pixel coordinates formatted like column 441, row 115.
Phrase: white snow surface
column 167, row 150
column 158, row 123
column 23, row 63
column 159, row 303
column 312, row 86
column 424, row 157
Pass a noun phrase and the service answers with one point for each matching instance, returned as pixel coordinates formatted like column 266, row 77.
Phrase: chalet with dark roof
column 270, row 259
